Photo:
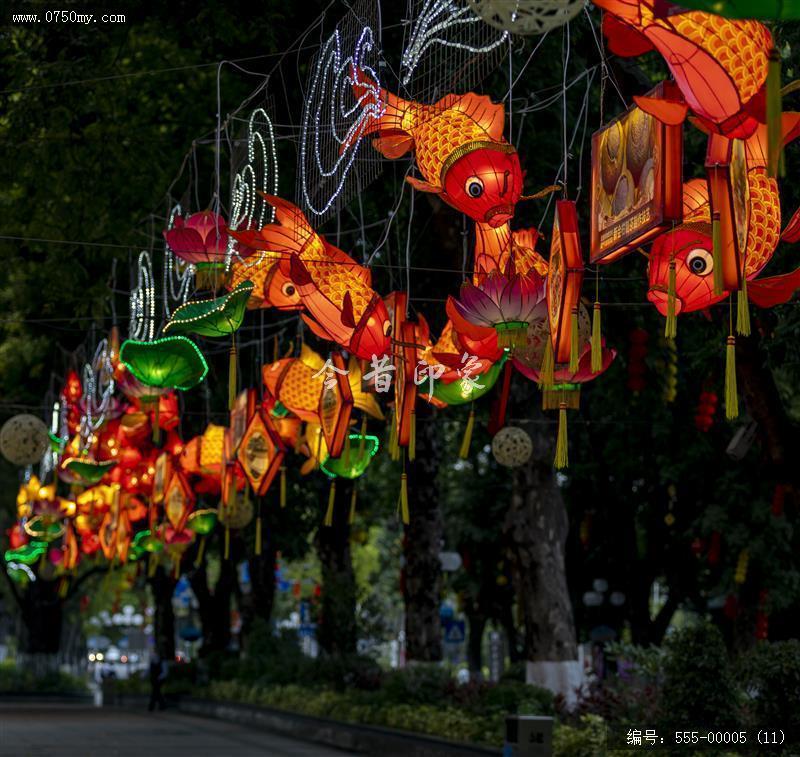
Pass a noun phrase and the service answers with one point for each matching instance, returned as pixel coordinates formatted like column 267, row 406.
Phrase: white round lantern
column 526, row 16
column 512, row 447
column 23, row 439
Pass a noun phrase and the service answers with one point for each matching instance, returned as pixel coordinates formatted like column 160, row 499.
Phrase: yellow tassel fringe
column 562, row 457
column 547, row 374
column 463, row 453
column 329, row 512
column 716, row 241
column 731, row 392
column 283, row 486
column 671, row 327
column 404, row 515
column 743, row 310
column 597, row 342
column 574, row 347
column 258, row 536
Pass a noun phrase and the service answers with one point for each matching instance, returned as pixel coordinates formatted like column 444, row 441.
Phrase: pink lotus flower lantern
column 507, row 303
column 200, row 239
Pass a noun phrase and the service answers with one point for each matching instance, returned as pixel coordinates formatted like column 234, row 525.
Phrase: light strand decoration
column 142, row 325
column 258, row 174
column 434, row 26
column 334, row 120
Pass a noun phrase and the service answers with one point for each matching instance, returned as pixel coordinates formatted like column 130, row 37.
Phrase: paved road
column 44, row 730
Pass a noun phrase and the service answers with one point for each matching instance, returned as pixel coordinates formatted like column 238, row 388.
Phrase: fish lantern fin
column 526, row 238
column 623, row 40
column 792, row 231
column 393, row 146
column 423, row 330
column 310, row 358
column 490, row 116
column 316, row 329
column 669, row 112
column 248, row 237
column 347, row 317
column 695, row 197
column 288, row 214
column 790, row 126
column 773, row 290
column 299, row 273
column 423, row 186
column 308, row 466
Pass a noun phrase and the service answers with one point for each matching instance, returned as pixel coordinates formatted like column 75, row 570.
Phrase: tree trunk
column 42, row 615
column 477, row 625
column 337, row 623
column 258, row 605
column 422, row 545
column 535, row 529
column 163, row 585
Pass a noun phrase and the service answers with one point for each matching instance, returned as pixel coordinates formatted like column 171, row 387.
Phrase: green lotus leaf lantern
column 85, row 471
column 145, row 541
column 202, row 522
column 216, row 317
column 461, row 391
column 353, row 461
column 765, row 10
column 44, row 529
column 172, row 362
column 27, row 554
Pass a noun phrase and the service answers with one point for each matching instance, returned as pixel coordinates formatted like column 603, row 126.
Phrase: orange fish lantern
column 458, row 146
column 719, row 65
column 297, row 383
column 335, row 291
column 271, row 287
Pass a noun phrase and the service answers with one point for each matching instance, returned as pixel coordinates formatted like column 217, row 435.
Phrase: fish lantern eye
column 474, row 187
column 288, row 289
column 387, row 328
column 700, row 262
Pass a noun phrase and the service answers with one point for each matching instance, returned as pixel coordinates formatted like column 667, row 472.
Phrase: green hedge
column 15, row 680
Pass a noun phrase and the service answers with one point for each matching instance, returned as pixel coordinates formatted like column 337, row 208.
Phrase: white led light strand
column 178, row 274
column 260, row 174
column 333, row 111
column 437, row 20
column 142, row 324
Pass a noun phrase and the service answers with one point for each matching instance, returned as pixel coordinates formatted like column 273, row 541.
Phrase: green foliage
column 585, row 740
column 14, row 680
column 698, row 687
column 771, row 673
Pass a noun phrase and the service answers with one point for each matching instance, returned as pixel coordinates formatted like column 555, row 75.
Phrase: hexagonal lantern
column 260, row 452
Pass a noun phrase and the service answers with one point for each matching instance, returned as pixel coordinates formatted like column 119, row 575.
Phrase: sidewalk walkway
column 53, row 730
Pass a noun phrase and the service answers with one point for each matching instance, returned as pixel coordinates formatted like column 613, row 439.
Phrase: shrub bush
column 14, row 680
column 771, row 674
column 698, row 688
